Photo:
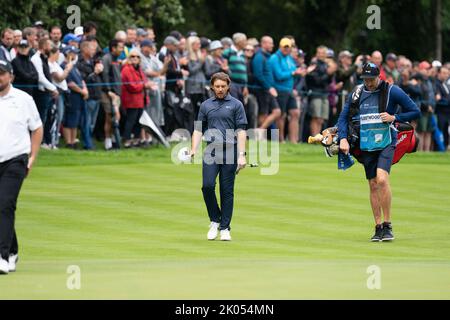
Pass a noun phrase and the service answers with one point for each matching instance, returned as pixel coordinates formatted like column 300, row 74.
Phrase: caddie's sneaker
column 12, row 262
column 213, row 230
column 4, row 269
column 378, row 233
column 388, row 235
column 225, row 235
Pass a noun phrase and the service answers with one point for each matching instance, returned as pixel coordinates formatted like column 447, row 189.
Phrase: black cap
column 23, row 43
column 370, row 70
column 5, row 66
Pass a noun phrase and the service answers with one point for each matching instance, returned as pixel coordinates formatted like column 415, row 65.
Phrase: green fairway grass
column 135, row 224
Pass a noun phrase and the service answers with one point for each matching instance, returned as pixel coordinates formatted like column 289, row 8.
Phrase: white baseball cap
column 78, row 31
column 436, row 64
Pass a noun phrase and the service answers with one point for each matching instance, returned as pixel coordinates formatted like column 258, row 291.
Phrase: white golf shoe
column 4, row 269
column 213, row 230
column 225, row 235
column 12, row 262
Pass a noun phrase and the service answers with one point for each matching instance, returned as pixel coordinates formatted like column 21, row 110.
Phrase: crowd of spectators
column 83, row 89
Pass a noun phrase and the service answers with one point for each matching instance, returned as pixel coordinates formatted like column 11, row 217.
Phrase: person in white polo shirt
column 20, row 139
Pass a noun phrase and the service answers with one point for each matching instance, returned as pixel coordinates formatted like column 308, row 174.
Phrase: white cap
column 436, row 64
column 78, row 31
column 216, row 44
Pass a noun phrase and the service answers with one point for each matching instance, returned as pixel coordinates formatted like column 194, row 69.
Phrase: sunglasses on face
column 134, row 57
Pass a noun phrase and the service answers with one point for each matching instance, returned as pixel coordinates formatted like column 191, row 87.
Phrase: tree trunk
column 438, row 25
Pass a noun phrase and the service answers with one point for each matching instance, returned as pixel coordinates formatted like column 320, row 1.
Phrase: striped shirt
column 237, row 65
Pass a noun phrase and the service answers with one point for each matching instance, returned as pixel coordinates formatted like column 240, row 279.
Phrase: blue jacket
column 282, row 68
column 262, row 72
column 397, row 97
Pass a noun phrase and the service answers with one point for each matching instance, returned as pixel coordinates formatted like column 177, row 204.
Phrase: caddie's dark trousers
column 227, row 173
column 12, row 174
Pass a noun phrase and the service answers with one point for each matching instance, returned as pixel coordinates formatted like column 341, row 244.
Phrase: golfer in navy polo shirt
column 223, row 121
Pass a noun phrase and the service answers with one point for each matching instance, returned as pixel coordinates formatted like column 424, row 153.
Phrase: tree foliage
column 407, row 26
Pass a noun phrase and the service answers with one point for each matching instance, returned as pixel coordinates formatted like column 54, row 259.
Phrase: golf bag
column 407, row 142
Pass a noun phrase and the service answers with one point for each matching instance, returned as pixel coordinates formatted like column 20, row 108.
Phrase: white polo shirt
column 18, row 116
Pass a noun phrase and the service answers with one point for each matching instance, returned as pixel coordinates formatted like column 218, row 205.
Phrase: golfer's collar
column 227, row 98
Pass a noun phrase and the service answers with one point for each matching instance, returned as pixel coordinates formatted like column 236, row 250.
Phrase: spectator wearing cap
column 47, row 92
column 427, row 107
column 443, row 102
column 79, row 32
column 174, row 74
column 155, row 70
column 141, row 35
column 25, row 74
column 265, row 92
column 39, row 25
column 71, row 39
column 7, row 42
column 284, row 70
column 377, row 58
column 215, row 62
column 134, row 97
column 204, row 46
column 111, row 76
column 195, row 83
column 317, row 82
column 390, row 67
column 59, row 76
column 30, row 34
column 237, row 66
column 90, row 70
column 77, row 103
column 347, row 70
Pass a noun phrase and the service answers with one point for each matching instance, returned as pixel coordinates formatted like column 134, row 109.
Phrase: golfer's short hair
column 220, row 76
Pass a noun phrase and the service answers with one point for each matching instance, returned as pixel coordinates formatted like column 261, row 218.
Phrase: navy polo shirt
column 221, row 117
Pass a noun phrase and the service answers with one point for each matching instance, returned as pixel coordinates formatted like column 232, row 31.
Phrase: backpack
column 407, row 141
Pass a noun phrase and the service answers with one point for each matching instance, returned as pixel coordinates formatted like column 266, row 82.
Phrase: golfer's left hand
column 242, row 162
column 30, row 164
column 386, row 117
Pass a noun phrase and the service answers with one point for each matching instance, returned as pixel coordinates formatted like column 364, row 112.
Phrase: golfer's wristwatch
column 243, row 153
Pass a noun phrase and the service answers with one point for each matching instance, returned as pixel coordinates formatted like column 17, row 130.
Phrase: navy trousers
column 226, row 170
